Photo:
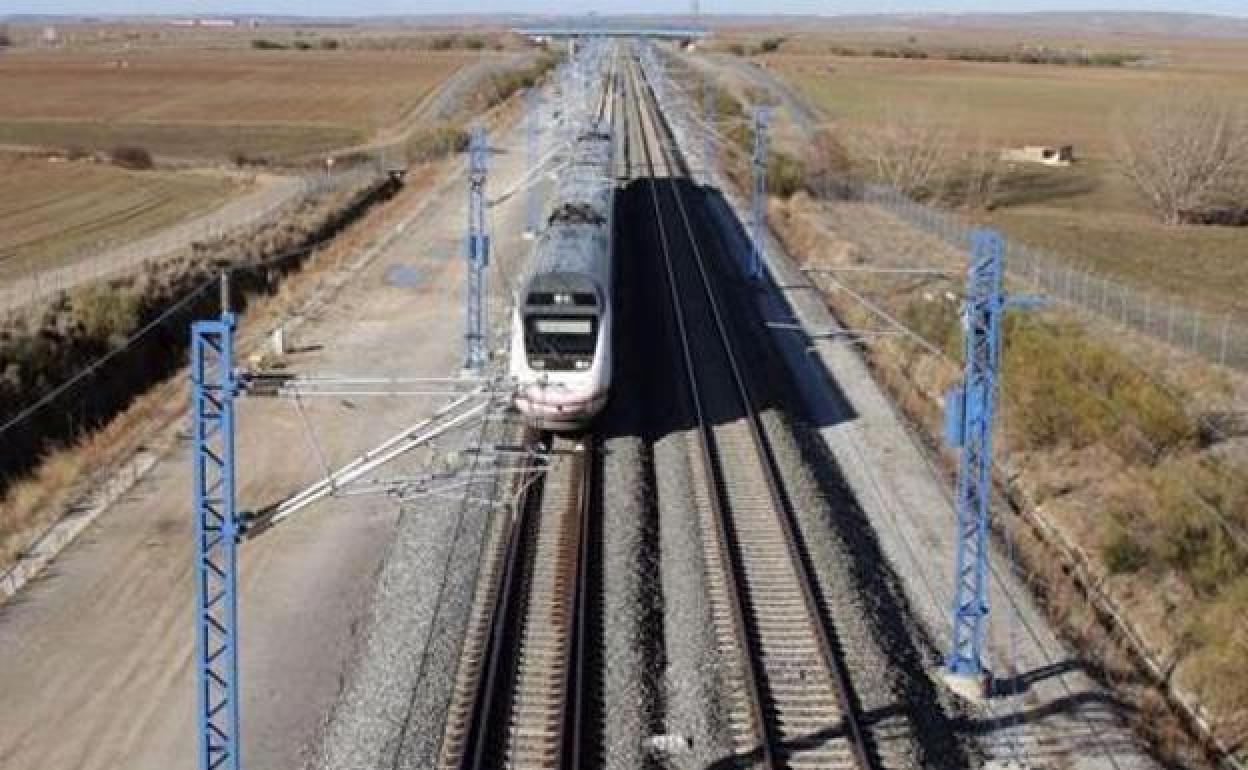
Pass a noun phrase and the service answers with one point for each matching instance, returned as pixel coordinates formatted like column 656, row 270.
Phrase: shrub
column 105, row 312
column 786, row 174
column 77, row 152
column 435, row 143
column 268, row 45
column 241, row 159
column 1087, row 392
column 330, row 44
column 737, row 49
column 771, row 44
column 1123, row 554
column 132, row 157
column 302, row 45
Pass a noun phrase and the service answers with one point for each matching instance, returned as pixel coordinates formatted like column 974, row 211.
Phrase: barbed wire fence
column 1216, row 337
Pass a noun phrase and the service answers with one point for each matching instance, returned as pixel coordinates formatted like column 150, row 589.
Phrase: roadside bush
column 302, row 45
column 737, row 49
column 1086, row 392
column 106, row 312
column 1124, row 554
column 786, row 175
column 1217, row 666
column 771, row 44
column 133, row 158
column 935, row 320
column 503, row 84
column 437, row 142
column 330, row 44
column 268, row 45
column 77, row 152
column 241, row 159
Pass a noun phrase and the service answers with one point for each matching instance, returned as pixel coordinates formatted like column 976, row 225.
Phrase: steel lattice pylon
column 532, row 131
column 758, row 163
column 213, row 388
column 478, row 248
column 968, row 424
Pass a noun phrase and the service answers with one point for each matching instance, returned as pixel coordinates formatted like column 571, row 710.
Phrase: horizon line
column 659, row 14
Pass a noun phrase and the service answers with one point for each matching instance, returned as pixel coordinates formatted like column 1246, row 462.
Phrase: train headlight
column 582, row 364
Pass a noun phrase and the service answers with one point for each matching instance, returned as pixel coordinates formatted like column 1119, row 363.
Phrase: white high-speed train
column 561, row 327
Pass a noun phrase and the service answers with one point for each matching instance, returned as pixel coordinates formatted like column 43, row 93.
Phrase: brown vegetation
column 53, row 343
column 203, row 104
column 1100, row 447
column 132, row 158
column 1186, row 154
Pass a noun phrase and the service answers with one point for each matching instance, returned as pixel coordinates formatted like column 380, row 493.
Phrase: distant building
column 1048, row 156
column 204, row 22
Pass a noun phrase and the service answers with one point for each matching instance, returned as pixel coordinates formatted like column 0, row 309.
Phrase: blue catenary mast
column 213, row 387
column 532, row 128
column 758, row 163
column 478, row 254
column 968, row 425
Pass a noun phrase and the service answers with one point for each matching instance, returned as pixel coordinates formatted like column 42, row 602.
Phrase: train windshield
column 561, row 343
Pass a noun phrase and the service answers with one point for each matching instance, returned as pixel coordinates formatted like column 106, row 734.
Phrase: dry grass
column 50, row 212
column 65, row 474
column 32, row 503
column 1087, row 215
column 1100, row 442
column 203, row 103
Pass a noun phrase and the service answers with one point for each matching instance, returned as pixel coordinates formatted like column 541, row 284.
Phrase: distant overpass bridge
column 585, row 30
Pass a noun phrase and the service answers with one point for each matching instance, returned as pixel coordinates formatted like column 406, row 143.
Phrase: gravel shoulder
column 1057, row 713
column 96, row 670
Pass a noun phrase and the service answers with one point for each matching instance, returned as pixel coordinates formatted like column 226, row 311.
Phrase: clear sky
column 826, row 7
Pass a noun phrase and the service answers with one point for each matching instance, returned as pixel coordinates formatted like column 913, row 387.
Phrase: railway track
column 791, row 704
column 518, row 700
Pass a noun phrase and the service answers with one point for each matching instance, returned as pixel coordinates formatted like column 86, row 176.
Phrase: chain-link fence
column 1217, row 337
column 102, row 263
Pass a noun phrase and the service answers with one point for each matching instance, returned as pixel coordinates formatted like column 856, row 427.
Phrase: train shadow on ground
column 651, row 401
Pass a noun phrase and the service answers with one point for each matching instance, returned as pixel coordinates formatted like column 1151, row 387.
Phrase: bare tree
column 828, row 167
column 910, row 149
column 1186, row 153
column 979, row 176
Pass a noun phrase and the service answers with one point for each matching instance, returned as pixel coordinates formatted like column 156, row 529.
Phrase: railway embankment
column 1120, row 460
column 71, row 365
column 1125, row 496
column 79, row 372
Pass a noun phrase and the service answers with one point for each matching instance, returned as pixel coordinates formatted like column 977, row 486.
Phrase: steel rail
column 753, row 691
column 512, row 711
column 838, row 671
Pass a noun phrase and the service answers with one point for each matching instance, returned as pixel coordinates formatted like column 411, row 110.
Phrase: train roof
column 571, row 248
column 582, row 191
